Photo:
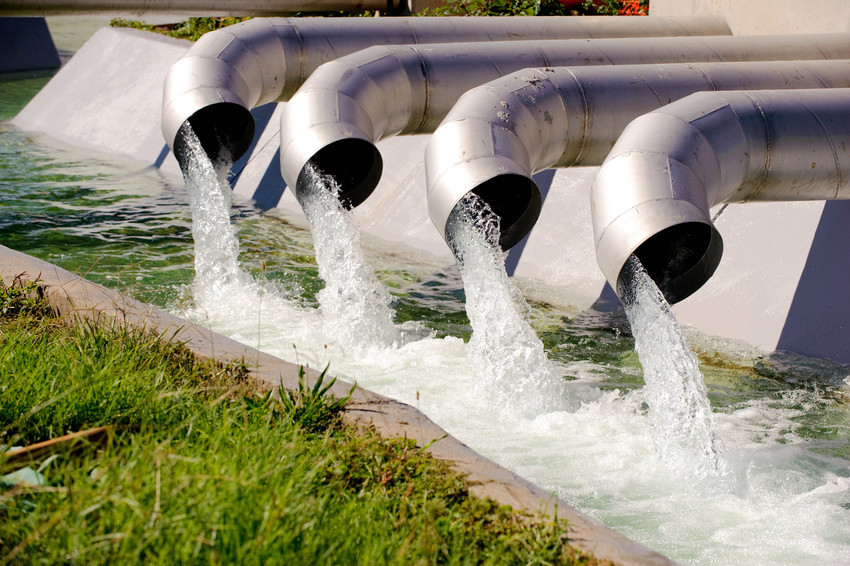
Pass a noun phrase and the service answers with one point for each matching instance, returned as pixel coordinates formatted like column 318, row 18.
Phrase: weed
column 312, row 408
column 22, row 298
column 191, row 29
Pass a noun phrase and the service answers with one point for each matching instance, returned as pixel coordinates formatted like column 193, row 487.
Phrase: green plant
column 192, row 28
column 617, row 7
column 499, row 8
column 311, row 407
column 22, row 299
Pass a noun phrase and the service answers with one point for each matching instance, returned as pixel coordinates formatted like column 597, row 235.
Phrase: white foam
column 510, row 357
column 679, row 411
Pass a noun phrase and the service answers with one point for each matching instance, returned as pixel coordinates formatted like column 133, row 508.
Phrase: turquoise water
column 784, row 420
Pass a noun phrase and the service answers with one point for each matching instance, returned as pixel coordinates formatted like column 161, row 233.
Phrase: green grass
column 203, row 467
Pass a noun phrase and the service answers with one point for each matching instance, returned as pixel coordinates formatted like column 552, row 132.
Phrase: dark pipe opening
column 516, row 200
column 355, row 165
column 224, row 129
column 680, row 259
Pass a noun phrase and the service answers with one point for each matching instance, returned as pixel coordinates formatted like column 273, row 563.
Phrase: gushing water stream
column 222, row 290
column 683, row 427
column 355, row 306
column 503, row 345
column 216, row 246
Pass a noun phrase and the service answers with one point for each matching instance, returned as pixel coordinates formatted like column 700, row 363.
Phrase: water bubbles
column 683, row 427
column 355, row 305
column 509, row 356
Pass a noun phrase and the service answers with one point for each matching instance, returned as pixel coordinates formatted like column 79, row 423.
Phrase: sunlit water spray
column 507, row 351
column 355, row 305
column 222, row 290
column 679, row 412
column 216, row 246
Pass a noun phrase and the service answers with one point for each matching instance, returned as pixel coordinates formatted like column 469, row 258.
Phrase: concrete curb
column 73, row 296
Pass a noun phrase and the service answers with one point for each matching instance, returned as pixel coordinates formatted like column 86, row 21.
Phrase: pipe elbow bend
column 314, row 135
column 647, row 202
column 470, row 152
column 214, row 86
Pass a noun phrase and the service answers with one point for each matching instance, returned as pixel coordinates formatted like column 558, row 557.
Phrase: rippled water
column 784, row 420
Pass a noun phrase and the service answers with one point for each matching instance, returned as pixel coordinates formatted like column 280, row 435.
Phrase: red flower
column 633, row 8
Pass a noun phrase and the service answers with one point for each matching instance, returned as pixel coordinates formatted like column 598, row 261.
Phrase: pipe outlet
column 268, row 59
column 653, row 194
column 534, row 119
column 213, row 87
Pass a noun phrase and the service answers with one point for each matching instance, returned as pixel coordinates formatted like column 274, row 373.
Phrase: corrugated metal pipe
column 652, row 195
column 229, row 71
column 347, row 105
column 499, row 134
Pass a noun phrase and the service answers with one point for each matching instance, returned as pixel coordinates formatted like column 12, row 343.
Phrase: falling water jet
column 222, row 290
column 216, row 246
column 679, row 411
column 355, row 305
column 503, row 345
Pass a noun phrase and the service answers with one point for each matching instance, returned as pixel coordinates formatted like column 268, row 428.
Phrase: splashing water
column 355, row 306
column 680, row 416
column 222, row 290
column 216, row 246
column 503, row 346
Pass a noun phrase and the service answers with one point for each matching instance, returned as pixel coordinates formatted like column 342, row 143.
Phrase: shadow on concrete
column 543, row 179
column 269, row 190
column 821, row 300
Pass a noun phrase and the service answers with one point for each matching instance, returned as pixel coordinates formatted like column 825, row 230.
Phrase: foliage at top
column 499, row 8
column 617, row 7
column 192, row 29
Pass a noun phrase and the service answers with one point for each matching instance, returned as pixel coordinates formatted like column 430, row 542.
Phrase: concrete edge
column 73, row 296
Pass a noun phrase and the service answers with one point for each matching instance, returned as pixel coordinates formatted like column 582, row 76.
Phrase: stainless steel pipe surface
column 348, row 104
column 653, row 193
column 229, row 71
column 499, row 134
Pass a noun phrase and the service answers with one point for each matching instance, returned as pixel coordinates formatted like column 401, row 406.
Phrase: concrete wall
column 756, row 17
column 781, row 283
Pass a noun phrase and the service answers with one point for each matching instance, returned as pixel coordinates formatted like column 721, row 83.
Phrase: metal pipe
column 348, row 104
column 652, row 195
column 199, row 7
column 499, row 134
column 229, row 71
